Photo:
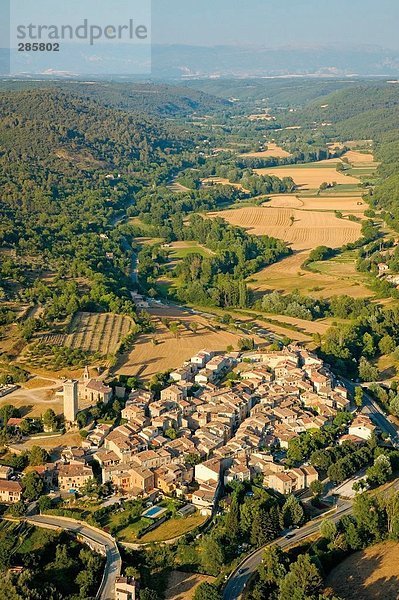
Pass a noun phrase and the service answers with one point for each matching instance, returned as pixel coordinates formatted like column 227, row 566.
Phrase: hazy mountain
column 195, row 61
column 180, row 61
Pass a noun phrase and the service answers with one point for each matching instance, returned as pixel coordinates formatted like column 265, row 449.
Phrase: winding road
column 91, row 534
column 239, row 579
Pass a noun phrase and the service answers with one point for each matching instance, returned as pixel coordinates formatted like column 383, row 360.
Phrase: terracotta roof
column 10, row 486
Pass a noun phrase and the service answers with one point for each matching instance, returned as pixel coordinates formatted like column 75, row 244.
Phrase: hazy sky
column 276, row 22
column 258, row 22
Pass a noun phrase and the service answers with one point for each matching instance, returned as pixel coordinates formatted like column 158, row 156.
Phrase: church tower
column 70, row 400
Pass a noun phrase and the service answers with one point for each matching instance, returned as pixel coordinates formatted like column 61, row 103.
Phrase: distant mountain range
column 189, row 62
column 234, row 61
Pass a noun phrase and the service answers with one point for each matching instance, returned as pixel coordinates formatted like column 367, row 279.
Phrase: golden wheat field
column 163, row 350
column 310, row 177
column 360, row 159
column 272, row 150
column 352, row 203
column 301, row 229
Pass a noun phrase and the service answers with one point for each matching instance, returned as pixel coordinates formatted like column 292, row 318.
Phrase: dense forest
column 68, row 169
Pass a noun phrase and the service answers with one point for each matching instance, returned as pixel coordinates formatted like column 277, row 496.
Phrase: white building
column 126, row 588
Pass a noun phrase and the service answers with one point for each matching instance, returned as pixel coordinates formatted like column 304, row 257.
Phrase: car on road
column 290, row 535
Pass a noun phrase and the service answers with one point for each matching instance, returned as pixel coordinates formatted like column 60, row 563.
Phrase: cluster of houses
column 189, row 443
column 201, row 433
column 70, row 474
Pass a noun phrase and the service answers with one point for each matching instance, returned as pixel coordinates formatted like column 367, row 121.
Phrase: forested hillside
column 159, row 99
column 68, row 168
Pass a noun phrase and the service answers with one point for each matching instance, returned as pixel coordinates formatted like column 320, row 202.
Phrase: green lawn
column 191, row 248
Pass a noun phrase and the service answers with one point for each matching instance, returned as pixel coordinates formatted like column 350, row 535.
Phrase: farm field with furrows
column 97, row 332
column 288, row 275
column 348, row 203
column 303, row 230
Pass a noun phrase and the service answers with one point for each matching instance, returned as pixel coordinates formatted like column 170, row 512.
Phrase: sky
column 267, row 23
column 273, row 23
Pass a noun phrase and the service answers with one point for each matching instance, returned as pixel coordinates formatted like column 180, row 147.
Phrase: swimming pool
column 154, row 512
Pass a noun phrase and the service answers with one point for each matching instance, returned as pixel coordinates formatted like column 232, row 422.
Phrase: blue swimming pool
column 154, row 512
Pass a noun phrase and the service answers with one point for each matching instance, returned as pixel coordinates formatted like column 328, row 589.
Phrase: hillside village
column 205, row 430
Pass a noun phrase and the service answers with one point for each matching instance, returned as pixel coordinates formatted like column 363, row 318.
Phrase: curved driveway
column 114, row 562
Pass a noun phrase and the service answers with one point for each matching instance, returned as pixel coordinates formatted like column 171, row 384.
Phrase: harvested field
column 37, row 382
column 310, row 176
column 307, row 326
column 98, row 332
column 287, row 275
column 272, row 151
column 221, row 181
column 303, row 230
column 372, row 574
column 182, row 585
column 169, row 352
column 360, row 159
column 352, row 203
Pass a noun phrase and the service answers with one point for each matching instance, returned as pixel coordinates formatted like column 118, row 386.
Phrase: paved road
column 376, row 414
column 113, row 564
column 239, row 579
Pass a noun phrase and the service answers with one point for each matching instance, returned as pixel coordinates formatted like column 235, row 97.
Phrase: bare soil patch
column 182, row 586
column 372, row 574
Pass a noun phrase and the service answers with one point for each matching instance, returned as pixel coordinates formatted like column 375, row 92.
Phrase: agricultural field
column 182, row 585
column 303, row 230
column 296, row 220
column 310, row 176
column 345, row 203
column 221, row 181
column 273, row 151
column 163, row 350
column 179, row 250
column 97, row 332
column 372, row 574
column 360, row 159
column 334, row 278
